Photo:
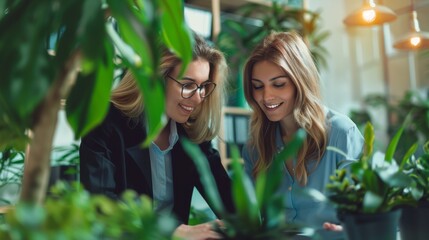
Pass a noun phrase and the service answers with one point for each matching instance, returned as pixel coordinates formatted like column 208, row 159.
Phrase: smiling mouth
column 187, row 108
column 272, row 106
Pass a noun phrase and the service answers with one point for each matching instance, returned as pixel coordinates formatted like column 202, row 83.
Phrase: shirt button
column 290, row 188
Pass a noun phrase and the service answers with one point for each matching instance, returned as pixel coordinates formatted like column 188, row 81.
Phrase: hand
column 202, row 231
column 332, row 227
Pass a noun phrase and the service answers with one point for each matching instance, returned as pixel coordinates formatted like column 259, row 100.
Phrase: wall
column 356, row 63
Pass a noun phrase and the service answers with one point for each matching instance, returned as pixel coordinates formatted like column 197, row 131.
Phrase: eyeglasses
column 189, row 89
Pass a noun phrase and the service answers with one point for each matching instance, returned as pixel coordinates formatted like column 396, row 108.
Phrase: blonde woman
column 281, row 84
column 113, row 161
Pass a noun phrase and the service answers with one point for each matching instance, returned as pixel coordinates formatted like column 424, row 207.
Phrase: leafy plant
column 66, row 155
column 260, row 210
column 11, row 169
column 412, row 103
column 418, row 170
column 34, row 82
column 70, row 212
column 375, row 182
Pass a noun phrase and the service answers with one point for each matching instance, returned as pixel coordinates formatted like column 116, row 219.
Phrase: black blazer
column 111, row 161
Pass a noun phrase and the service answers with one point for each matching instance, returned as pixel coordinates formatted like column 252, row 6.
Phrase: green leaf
column 369, row 139
column 243, row 192
column 371, row 202
column 394, row 178
column 408, row 155
column 135, row 27
column 267, row 183
column 93, row 90
column 206, row 175
column 175, row 32
column 154, row 97
column 26, row 67
column 392, row 145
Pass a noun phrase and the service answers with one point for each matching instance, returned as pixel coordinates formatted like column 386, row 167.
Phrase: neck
column 288, row 127
column 162, row 141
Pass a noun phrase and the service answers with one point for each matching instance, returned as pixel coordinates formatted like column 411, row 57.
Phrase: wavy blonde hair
column 288, row 51
column 204, row 122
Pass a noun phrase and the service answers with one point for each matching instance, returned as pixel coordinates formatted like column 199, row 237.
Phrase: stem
column 37, row 162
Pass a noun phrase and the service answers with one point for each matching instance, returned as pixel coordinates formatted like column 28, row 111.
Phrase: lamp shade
column 415, row 39
column 370, row 14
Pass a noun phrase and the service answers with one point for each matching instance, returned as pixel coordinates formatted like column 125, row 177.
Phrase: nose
column 196, row 97
column 268, row 94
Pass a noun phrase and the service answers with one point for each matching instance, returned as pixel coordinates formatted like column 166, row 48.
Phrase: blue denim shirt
column 343, row 135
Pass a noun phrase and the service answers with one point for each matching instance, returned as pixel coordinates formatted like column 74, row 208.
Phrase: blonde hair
column 204, row 122
column 288, row 51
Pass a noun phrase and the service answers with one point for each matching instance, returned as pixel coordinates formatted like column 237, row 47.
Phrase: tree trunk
column 38, row 154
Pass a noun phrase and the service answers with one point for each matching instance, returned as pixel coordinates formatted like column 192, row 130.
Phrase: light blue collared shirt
column 343, row 135
column 162, row 174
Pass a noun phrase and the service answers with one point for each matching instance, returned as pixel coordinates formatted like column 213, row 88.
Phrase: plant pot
column 380, row 226
column 413, row 223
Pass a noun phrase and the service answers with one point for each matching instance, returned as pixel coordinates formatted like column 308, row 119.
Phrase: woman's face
column 178, row 108
column 273, row 90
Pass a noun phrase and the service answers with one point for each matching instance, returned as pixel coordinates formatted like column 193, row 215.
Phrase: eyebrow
column 272, row 79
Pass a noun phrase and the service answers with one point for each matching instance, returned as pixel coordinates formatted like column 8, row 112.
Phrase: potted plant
column 260, row 210
column 413, row 222
column 367, row 199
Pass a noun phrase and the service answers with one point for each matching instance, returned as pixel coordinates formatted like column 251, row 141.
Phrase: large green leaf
column 134, row 27
column 372, row 202
column 392, row 145
column 175, row 33
column 269, row 180
column 88, row 102
column 244, row 192
column 206, row 175
column 26, row 71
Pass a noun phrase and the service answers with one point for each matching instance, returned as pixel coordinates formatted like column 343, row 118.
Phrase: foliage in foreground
column 260, row 212
column 70, row 212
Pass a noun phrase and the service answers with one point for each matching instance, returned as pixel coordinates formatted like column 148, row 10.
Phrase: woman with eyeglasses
column 111, row 157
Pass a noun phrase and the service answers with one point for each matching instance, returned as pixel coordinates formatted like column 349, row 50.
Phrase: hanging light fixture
column 415, row 39
column 370, row 14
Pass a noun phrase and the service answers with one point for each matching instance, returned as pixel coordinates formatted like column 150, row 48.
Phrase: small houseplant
column 413, row 223
column 259, row 210
column 367, row 203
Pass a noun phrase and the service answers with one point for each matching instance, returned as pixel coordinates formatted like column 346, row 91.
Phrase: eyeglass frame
column 199, row 88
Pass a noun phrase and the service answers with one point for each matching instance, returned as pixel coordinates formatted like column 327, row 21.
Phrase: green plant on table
column 259, row 210
column 375, row 183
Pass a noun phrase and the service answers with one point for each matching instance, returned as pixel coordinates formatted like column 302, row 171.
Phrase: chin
column 181, row 120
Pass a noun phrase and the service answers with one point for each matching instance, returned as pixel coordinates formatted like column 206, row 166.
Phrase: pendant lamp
column 370, row 14
column 415, row 39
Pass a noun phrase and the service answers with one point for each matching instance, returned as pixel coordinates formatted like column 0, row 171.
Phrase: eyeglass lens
column 205, row 89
